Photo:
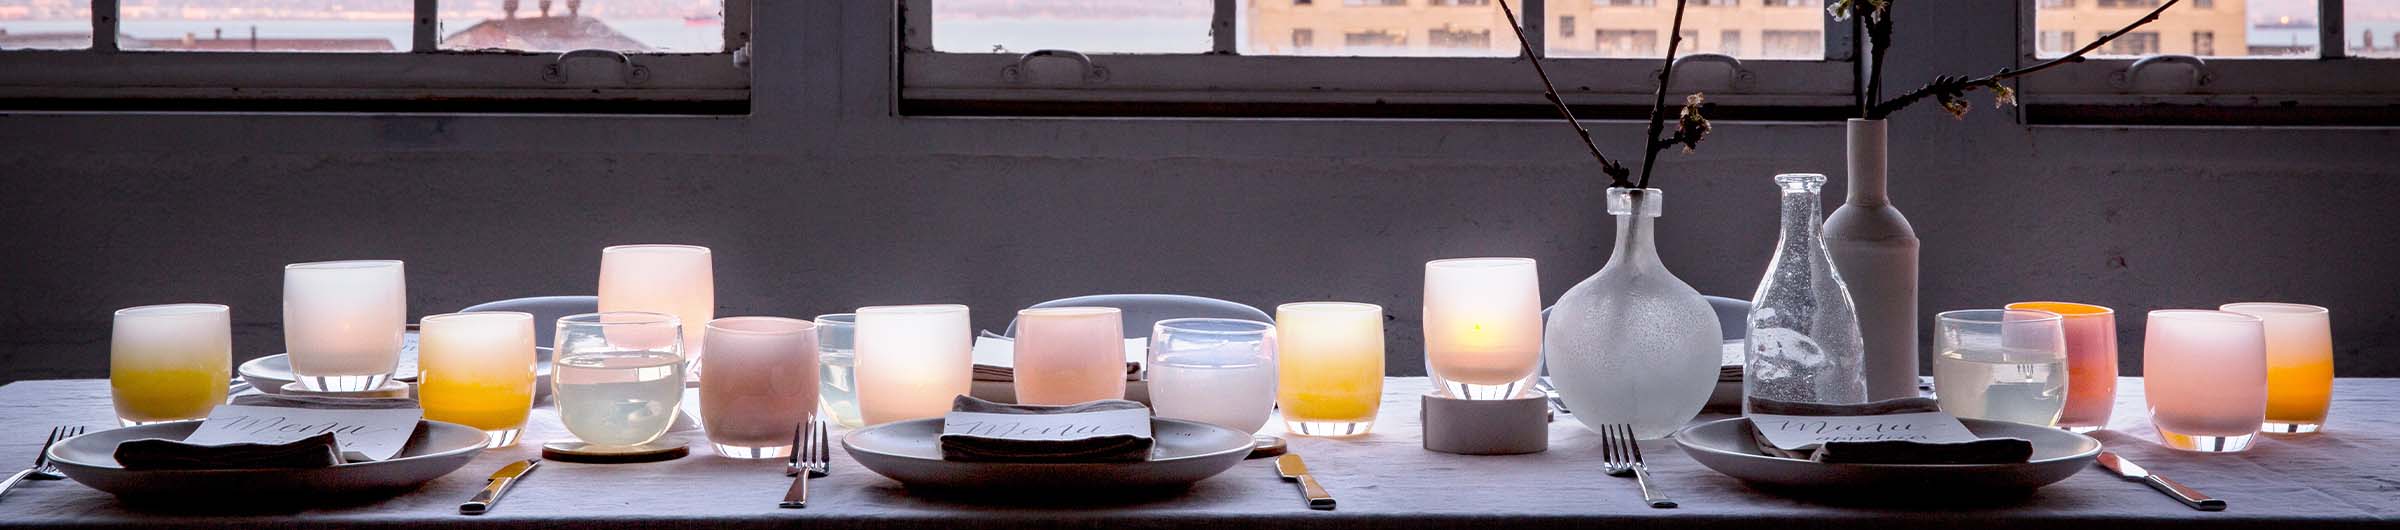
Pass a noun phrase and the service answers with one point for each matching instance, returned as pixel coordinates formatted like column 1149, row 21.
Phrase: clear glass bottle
column 1633, row 344
column 1803, row 341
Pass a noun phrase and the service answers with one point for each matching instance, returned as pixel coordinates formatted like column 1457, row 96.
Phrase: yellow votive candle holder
column 477, row 369
column 1329, row 367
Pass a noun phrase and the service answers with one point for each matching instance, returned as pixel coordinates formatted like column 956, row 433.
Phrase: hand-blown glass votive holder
column 762, row 385
column 677, row 280
column 2299, row 364
column 1218, row 371
column 2000, row 364
column 913, row 361
column 1483, row 326
column 477, row 369
column 169, row 362
column 837, row 373
column 2205, row 374
column 618, row 382
column 1069, row 355
column 344, row 322
column 1329, row 367
column 2091, row 333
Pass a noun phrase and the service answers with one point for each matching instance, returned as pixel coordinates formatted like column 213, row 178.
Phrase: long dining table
column 2345, row 477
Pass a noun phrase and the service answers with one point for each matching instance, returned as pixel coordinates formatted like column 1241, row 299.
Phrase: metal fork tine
column 1633, row 445
column 42, row 458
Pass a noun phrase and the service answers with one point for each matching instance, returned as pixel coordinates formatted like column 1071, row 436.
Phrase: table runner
column 2348, row 477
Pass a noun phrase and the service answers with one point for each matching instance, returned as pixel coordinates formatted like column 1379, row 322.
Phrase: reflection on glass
column 1756, row 29
column 267, row 25
column 657, row 26
column 2212, row 28
column 45, row 24
column 2372, row 27
column 1089, row 26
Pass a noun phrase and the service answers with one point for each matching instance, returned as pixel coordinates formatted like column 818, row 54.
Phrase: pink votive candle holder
column 2205, row 374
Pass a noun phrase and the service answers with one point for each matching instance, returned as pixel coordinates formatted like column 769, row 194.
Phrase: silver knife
column 2185, row 494
column 1290, row 466
column 501, row 480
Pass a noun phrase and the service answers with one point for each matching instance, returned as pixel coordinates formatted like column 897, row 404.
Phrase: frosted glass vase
column 1633, row 344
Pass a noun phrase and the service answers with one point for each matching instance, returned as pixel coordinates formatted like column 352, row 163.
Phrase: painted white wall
column 824, row 200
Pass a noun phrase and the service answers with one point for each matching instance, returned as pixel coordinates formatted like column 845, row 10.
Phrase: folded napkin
column 1097, row 448
column 1984, row 451
column 311, row 452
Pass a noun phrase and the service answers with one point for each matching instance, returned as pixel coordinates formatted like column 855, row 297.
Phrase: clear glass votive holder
column 170, row 362
column 1483, row 327
column 343, row 322
column 2205, row 375
column 2001, row 364
column 618, row 377
column 1218, row 371
column 837, row 357
column 762, row 385
column 2299, row 364
column 1329, row 367
column 2091, row 362
column 1069, row 355
column 477, row 369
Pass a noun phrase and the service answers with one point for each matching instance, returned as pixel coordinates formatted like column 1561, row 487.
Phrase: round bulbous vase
column 1633, row 344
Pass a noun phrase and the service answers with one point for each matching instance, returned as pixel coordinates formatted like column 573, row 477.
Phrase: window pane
column 1419, row 28
column 2374, row 27
column 1749, row 29
column 45, row 24
column 266, row 25
column 2213, row 28
column 1089, row 26
column 658, row 26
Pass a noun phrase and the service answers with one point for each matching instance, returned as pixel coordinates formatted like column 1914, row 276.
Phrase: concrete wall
column 823, row 201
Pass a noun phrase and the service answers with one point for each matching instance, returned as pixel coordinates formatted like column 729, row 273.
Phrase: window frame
column 1223, row 82
column 2330, row 89
column 423, row 77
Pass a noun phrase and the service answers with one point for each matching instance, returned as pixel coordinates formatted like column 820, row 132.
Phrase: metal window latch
column 1737, row 78
column 2130, row 78
column 556, row 71
column 1092, row 73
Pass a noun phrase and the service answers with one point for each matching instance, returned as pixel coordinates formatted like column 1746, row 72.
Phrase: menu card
column 1072, row 426
column 364, row 434
column 1798, row 433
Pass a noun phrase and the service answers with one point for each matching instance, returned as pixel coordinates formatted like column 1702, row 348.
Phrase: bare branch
column 1658, row 104
column 1949, row 87
column 1616, row 172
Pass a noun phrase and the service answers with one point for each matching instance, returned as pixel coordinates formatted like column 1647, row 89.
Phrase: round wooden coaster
column 1263, row 446
column 576, row 451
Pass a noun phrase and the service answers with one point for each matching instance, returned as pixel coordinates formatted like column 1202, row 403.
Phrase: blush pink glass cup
column 1069, row 355
column 2091, row 362
column 761, row 384
column 2205, row 374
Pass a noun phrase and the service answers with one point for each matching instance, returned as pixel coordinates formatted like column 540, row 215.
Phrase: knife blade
column 2185, row 494
column 1290, row 466
column 501, row 481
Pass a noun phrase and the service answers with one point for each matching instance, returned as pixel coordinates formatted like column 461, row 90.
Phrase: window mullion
column 104, row 25
column 1221, row 27
column 426, row 35
column 1536, row 12
column 2331, row 42
column 737, row 15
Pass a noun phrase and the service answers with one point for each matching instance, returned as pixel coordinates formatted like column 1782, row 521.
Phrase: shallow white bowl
column 436, row 449
column 1185, row 453
column 268, row 374
column 1726, row 446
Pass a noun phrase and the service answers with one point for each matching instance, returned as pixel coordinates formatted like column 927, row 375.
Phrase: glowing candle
column 1069, row 355
column 677, row 280
column 1483, row 326
column 476, row 369
column 2299, row 364
column 912, row 359
column 343, row 322
column 1330, row 366
column 2091, row 362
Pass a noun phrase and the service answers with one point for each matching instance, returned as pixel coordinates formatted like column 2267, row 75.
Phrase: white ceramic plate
column 268, row 374
column 1725, row 446
column 436, row 449
column 1185, row 453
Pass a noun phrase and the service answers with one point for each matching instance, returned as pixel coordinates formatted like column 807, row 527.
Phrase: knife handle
column 2185, row 494
column 1318, row 499
column 797, row 496
column 484, row 500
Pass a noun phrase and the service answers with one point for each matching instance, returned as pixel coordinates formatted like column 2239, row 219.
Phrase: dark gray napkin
column 1112, row 448
column 1984, row 451
column 311, row 452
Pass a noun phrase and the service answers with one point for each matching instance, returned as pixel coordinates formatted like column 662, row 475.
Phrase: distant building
column 45, row 40
column 571, row 32
column 216, row 42
column 2199, row 27
column 1782, row 29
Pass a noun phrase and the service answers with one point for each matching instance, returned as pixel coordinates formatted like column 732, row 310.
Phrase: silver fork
column 43, row 468
column 1623, row 455
column 811, row 458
